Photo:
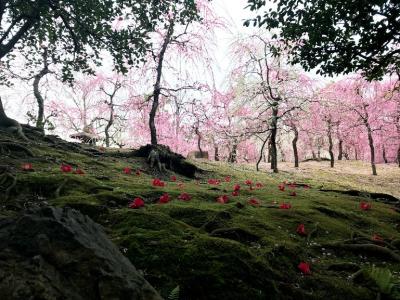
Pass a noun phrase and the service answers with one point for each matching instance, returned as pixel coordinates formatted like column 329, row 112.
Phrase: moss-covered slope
column 213, row 250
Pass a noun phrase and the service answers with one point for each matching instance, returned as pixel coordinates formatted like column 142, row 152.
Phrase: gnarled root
column 9, row 148
column 8, row 181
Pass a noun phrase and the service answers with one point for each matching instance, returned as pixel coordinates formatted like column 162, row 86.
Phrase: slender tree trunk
column 233, row 153
column 109, row 124
column 274, row 131
column 196, row 130
column 371, row 146
column 314, row 156
column 216, row 152
column 261, row 154
column 340, row 156
column 398, row 157
column 332, row 157
column 269, row 152
column 36, row 91
column 157, row 86
column 384, row 155
column 355, row 153
column 294, row 144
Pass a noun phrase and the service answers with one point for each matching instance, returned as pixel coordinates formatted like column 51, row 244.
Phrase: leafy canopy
column 77, row 31
column 337, row 36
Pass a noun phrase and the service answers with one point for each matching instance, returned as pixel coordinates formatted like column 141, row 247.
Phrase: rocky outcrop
column 53, row 253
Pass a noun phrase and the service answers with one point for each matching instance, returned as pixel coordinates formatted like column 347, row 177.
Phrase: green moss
column 219, row 251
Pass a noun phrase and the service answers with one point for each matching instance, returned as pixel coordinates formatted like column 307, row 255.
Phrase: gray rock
column 52, row 253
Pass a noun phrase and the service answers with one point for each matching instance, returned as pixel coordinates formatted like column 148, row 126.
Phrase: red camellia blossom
column 27, row 167
column 281, row 187
column 228, row 179
column 248, row 182
column 235, row 193
column 79, row 172
column 293, row 194
column 301, row 230
column 136, row 203
column 223, row 199
column 127, row 171
column 254, row 202
column 165, row 198
column 285, row 206
column 365, row 205
column 66, row 168
column 173, row 178
column 236, row 188
column 158, row 182
column 259, row 185
column 214, row 181
column 304, row 268
column 184, row 197
column 377, row 238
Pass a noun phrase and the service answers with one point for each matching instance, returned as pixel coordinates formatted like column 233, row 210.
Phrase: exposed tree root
column 312, row 232
column 60, row 187
column 9, row 148
column 367, row 248
column 8, row 181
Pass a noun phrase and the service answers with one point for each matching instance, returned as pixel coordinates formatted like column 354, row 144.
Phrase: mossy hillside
column 212, row 250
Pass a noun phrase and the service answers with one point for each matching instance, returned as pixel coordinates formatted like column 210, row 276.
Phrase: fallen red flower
column 248, row 182
column 259, row 185
column 254, row 202
column 165, row 198
column 293, row 194
column 79, row 172
column 66, row 168
column 173, row 178
column 136, row 203
column 27, row 167
column 281, row 187
column 214, row 181
column 158, row 182
column 236, row 188
column 301, row 230
column 127, row 171
column 184, row 197
column 304, row 268
column 306, row 187
column 365, row 205
column 138, row 173
column 285, row 206
column 227, row 179
column 223, row 199
column 377, row 238
column 235, row 193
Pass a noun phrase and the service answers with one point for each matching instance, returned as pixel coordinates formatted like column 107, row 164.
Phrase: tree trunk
column 340, row 156
column 109, row 124
column 269, row 152
column 157, row 86
column 36, row 91
column 371, row 146
column 398, row 156
column 332, row 157
column 196, row 130
column 314, row 156
column 294, row 144
column 216, row 152
column 384, row 155
column 233, row 154
column 261, row 154
column 274, row 131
